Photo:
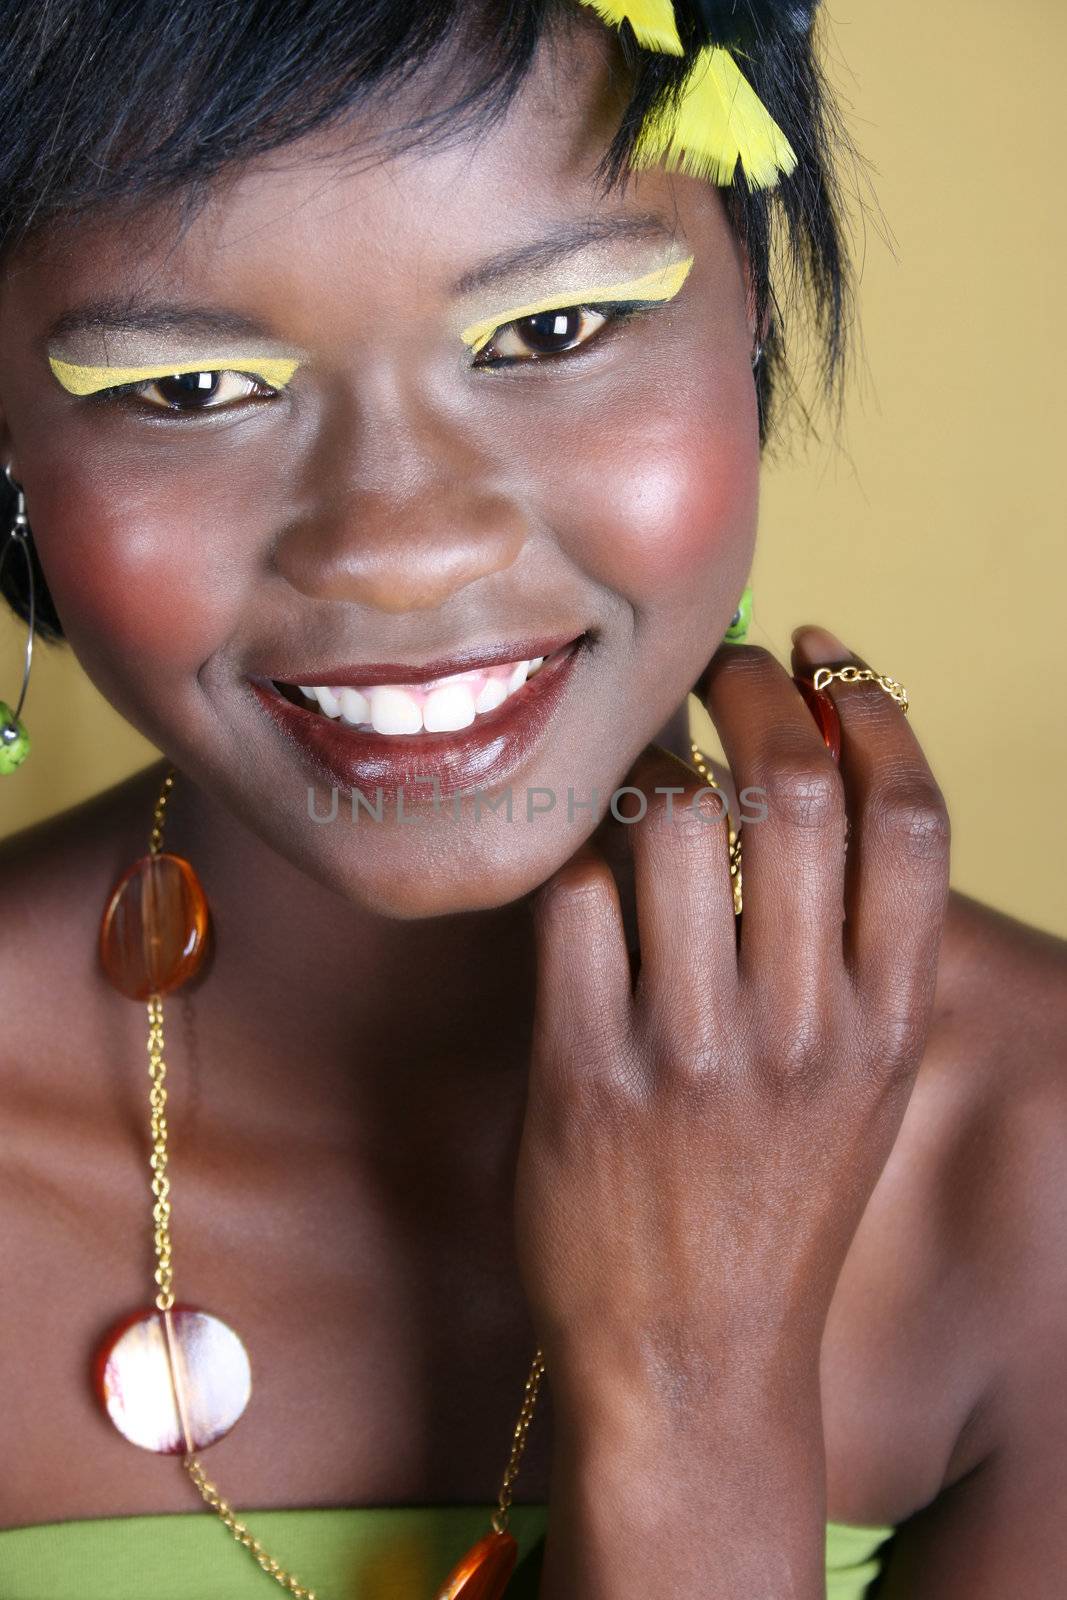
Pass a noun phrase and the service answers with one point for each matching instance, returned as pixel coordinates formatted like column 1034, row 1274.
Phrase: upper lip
column 357, row 674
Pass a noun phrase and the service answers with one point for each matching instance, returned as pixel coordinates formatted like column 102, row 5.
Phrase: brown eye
column 546, row 333
column 198, row 391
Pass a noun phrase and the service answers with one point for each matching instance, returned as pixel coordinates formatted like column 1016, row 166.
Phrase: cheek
column 135, row 576
column 670, row 508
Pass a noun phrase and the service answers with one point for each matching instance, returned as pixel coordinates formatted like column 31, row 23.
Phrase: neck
column 314, row 1009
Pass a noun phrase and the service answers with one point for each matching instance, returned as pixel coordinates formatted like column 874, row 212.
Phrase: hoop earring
column 14, row 740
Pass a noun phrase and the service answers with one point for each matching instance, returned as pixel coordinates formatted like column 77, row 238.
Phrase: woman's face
column 399, row 500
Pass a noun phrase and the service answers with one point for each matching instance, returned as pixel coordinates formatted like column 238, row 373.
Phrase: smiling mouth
column 441, row 705
column 387, row 738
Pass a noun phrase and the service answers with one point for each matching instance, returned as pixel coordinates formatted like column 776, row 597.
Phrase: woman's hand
column 699, row 1147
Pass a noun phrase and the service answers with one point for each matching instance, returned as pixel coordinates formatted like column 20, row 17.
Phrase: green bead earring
column 14, row 740
column 737, row 632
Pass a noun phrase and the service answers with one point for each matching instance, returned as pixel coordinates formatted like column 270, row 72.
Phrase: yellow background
column 929, row 536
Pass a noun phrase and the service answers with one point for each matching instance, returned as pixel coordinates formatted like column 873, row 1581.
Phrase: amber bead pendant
column 484, row 1571
column 153, row 934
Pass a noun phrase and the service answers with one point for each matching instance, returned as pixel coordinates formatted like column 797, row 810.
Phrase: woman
column 455, row 1085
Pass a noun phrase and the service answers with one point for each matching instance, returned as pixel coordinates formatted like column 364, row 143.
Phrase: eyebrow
column 565, row 241
column 133, row 314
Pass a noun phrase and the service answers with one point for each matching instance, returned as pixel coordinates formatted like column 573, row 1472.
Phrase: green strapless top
column 392, row 1553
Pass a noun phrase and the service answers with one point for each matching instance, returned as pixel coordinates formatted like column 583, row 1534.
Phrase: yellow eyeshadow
column 662, row 284
column 88, row 380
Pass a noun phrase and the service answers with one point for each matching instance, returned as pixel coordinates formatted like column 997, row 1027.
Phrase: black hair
column 116, row 103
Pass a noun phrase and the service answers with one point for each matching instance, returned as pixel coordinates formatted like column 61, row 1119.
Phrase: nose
column 415, row 522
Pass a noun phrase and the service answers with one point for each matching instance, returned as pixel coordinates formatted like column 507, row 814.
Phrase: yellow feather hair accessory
column 652, row 21
column 719, row 121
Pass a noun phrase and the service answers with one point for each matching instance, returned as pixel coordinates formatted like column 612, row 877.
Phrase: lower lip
column 481, row 756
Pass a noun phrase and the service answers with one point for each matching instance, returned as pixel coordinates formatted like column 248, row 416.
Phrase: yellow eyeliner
column 88, row 380
column 661, row 284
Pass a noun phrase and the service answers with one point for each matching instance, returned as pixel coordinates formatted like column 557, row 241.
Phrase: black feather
column 745, row 23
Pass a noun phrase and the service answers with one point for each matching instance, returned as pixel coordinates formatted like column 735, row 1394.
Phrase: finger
column 583, row 996
column 898, row 857
column 684, row 896
column 792, row 796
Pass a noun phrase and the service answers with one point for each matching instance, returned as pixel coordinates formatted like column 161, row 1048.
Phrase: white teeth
column 448, row 708
column 355, row 707
column 394, row 711
column 452, row 702
column 493, row 693
column 329, row 701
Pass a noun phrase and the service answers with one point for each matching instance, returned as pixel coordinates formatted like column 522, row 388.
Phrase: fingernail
column 818, row 645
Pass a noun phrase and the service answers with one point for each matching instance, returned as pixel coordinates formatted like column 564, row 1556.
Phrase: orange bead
column 153, row 933
column 484, row 1571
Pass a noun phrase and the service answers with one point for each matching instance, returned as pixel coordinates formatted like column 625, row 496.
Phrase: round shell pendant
column 484, row 1571
column 173, row 1381
column 153, row 934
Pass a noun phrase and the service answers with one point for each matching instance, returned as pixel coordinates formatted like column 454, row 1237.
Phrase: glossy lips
column 480, row 756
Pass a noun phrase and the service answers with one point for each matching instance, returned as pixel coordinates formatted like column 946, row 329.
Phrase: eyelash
column 617, row 312
column 121, row 391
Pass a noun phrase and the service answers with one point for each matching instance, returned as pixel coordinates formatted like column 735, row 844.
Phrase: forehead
column 354, row 212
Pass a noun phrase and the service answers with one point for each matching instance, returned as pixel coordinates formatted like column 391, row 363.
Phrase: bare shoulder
column 991, row 1105
column 71, row 836
column 1005, row 974
column 996, row 1092
column 1002, row 1021
column 999, row 1055
column 55, row 878
column 976, row 1254
column 965, row 1227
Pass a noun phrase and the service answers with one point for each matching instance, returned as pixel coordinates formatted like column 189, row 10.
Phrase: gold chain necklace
column 173, row 1378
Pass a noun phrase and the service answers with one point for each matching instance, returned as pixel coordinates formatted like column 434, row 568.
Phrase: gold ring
column 895, row 690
